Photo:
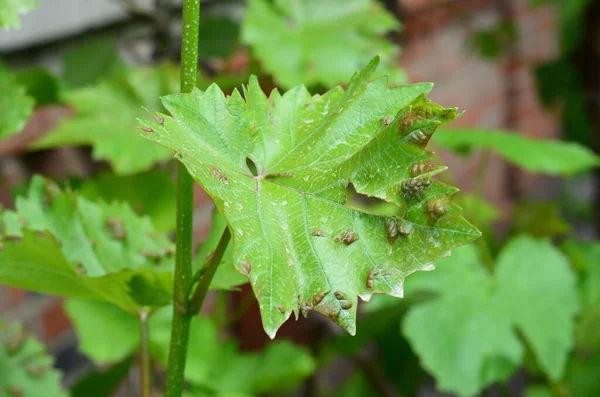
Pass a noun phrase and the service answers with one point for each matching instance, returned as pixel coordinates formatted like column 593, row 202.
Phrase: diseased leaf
column 11, row 9
column 466, row 337
column 314, row 42
column 58, row 243
column 534, row 155
column 15, row 104
column 150, row 193
column 301, row 247
column 25, row 368
column 105, row 119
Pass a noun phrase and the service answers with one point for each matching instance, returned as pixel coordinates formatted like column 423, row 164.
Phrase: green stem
column 145, row 356
column 209, row 273
column 180, row 328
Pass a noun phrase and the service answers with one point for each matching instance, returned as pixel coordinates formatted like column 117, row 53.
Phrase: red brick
column 54, row 320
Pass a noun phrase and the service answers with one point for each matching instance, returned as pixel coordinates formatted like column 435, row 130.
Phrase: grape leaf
column 466, row 337
column 314, row 42
column 301, row 247
column 10, row 10
column 93, row 250
column 150, row 193
column 212, row 363
column 105, row 119
column 15, row 104
column 585, row 257
column 25, row 367
column 534, row 155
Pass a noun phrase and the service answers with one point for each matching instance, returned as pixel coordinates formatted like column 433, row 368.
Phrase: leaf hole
column 251, row 166
column 369, row 204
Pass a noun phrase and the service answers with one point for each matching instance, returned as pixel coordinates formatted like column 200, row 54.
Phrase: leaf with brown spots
column 294, row 234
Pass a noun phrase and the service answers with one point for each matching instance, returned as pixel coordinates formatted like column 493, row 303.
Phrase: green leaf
column 218, row 36
column 15, row 105
column 534, row 155
column 539, row 219
column 40, row 84
column 212, row 364
column 582, row 375
column 105, row 119
column 25, row 367
column 150, row 193
column 93, row 250
column 96, row 58
column 466, row 337
column 480, row 212
column 585, row 257
column 106, row 333
column 301, row 247
column 102, row 383
column 539, row 391
column 314, row 42
column 10, row 10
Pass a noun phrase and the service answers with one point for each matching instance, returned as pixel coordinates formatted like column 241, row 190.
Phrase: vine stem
column 180, row 328
column 145, row 355
column 200, row 293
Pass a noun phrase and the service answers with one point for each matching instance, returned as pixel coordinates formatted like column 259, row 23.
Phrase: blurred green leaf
column 492, row 42
column 102, row 383
column 106, row 333
column 15, row 104
column 25, row 368
column 40, row 84
column 539, row 219
column 151, row 193
column 559, row 83
column 585, row 257
column 313, row 42
column 466, row 337
column 96, row 58
column 58, row 243
column 582, row 377
column 539, row 391
column 218, row 37
column 106, row 119
column 477, row 210
column 534, row 155
column 10, row 10
column 212, row 364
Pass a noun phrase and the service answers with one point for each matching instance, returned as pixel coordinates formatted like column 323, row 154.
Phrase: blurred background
column 525, row 69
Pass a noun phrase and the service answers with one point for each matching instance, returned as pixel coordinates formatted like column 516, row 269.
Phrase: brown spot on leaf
column 115, row 228
column 36, row 370
column 219, row 175
column 246, row 267
column 281, row 309
column 414, row 188
column 17, row 341
column 435, row 209
column 319, row 233
column 147, row 129
column 14, row 391
column 348, row 237
column 345, row 304
column 370, row 278
column 387, row 120
column 392, row 230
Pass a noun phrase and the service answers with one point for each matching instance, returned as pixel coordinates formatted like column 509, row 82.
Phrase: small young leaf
column 25, row 368
column 105, row 119
column 466, row 337
column 10, row 10
column 292, row 234
column 314, row 42
column 534, row 155
column 15, row 105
